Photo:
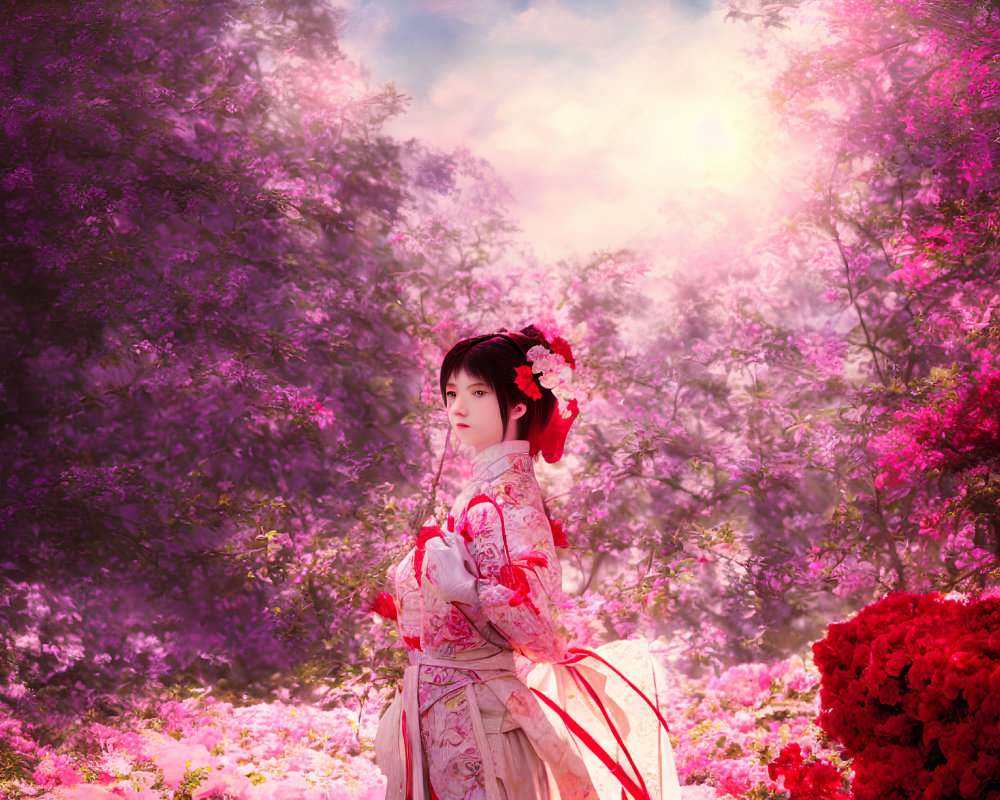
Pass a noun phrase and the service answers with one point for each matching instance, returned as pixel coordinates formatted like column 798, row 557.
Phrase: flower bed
column 201, row 748
column 726, row 731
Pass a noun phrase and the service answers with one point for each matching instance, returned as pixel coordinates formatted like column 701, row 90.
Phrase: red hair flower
column 526, row 383
column 561, row 346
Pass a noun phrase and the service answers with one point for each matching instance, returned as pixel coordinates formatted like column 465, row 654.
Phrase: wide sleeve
column 519, row 573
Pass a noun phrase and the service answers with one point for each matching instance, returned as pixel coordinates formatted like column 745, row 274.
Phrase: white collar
column 483, row 464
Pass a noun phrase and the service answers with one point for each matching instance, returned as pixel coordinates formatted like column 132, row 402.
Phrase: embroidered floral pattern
column 499, row 518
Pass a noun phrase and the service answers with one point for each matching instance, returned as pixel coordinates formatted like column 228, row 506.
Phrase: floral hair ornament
column 525, row 381
column 554, row 367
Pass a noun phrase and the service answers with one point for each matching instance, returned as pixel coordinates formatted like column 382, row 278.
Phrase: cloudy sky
column 596, row 113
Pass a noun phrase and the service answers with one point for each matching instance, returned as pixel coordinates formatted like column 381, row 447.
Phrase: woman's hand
column 449, row 574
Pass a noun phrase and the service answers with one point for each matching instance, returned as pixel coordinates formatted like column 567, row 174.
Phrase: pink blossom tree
column 904, row 222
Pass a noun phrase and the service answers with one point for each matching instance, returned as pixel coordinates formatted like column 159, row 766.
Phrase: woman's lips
column 461, row 425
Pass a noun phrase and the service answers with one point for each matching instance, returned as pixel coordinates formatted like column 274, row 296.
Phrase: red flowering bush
column 806, row 780
column 911, row 688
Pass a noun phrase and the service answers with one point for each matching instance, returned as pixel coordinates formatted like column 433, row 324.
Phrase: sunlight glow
column 597, row 122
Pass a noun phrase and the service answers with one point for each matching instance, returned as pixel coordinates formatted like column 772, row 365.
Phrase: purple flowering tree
column 204, row 343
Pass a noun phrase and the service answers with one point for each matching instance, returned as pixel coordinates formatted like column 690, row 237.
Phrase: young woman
column 471, row 594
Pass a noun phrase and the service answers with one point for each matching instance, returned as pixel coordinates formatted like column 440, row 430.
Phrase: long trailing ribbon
column 578, row 730
column 579, row 653
column 407, row 760
column 581, row 681
column 635, row 787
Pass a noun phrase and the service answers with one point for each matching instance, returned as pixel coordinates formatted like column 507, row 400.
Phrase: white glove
column 449, row 574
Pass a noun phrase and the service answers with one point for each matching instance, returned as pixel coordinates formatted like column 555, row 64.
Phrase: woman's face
column 474, row 412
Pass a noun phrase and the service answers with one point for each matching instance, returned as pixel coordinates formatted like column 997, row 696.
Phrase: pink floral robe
column 465, row 727
column 481, row 729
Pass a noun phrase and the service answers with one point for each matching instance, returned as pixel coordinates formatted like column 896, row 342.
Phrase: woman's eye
column 480, row 393
column 450, row 395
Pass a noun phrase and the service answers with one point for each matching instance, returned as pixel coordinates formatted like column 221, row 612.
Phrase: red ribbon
column 581, row 681
column 638, row 790
column 579, row 653
column 551, row 440
column 427, row 533
column 510, row 575
column 409, row 763
column 629, row 785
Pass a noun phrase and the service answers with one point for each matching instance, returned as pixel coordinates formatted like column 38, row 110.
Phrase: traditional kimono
column 465, row 727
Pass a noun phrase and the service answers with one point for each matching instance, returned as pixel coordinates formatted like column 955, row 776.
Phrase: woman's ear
column 518, row 411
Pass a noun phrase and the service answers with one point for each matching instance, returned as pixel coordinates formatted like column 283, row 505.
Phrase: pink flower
column 56, row 770
column 224, row 783
column 88, row 791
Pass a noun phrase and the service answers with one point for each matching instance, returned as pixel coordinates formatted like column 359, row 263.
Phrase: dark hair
column 493, row 358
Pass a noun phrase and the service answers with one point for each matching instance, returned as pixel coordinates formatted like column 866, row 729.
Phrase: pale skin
column 474, row 413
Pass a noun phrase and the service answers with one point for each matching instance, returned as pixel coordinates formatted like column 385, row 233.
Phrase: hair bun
column 535, row 334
